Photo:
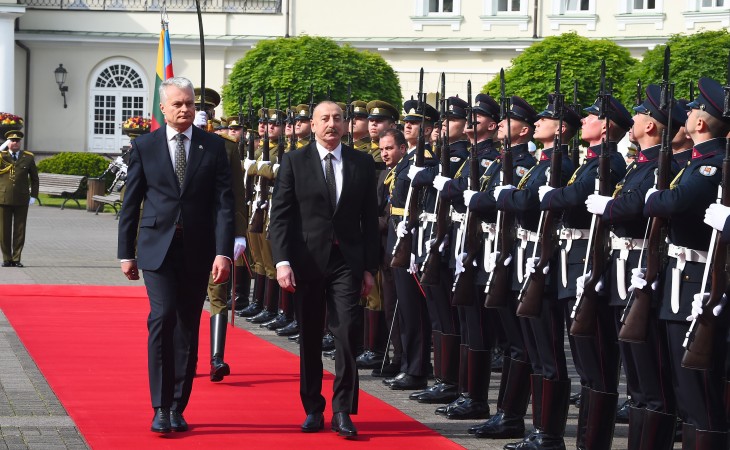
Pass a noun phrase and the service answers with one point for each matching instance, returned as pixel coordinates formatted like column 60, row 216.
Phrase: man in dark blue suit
column 324, row 240
column 183, row 176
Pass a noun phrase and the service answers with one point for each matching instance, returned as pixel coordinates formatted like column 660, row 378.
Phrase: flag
column 164, row 71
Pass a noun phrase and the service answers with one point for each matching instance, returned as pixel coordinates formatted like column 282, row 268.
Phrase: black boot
column 463, row 382
column 582, row 418
column 497, row 359
column 478, row 387
column 554, row 414
column 636, row 425
column 328, row 342
column 622, row 413
column 500, row 398
column 218, row 367
column 657, row 431
column 285, row 316
column 689, row 437
column 711, row 440
column 256, row 304
column 436, row 343
column 242, row 288
column 446, row 353
column 601, row 417
column 510, row 422
column 271, row 301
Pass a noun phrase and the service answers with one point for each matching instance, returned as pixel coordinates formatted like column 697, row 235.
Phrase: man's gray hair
column 179, row 82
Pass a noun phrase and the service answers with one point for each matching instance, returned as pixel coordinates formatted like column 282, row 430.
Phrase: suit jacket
column 24, row 185
column 204, row 202
column 302, row 227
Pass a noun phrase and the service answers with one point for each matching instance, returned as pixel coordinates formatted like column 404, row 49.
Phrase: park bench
column 112, row 199
column 67, row 186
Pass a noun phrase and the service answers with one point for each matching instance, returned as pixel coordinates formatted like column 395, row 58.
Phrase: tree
column 291, row 65
column 703, row 54
column 532, row 74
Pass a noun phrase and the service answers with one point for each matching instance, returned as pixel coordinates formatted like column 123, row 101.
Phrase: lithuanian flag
column 164, row 71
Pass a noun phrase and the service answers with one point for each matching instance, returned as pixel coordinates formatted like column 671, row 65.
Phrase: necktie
column 180, row 158
column 329, row 178
column 15, row 156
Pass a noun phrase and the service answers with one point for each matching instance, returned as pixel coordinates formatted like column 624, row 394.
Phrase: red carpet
column 90, row 343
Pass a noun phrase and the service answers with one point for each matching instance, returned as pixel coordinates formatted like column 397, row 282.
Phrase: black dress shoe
column 177, row 421
column 262, row 317
column 390, row 381
column 388, row 370
column 443, row 410
column 497, row 360
column 439, row 393
column 251, row 310
column 409, row 383
column 18, row 264
column 7, row 264
column 369, row 360
column 241, row 304
column 328, row 342
column 294, row 338
column 218, row 369
column 622, row 413
column 342, row 424
column 313, row 423
column 575, row 399
column 280, row 321
column 290, row 329
column 502, row 426
column 472, row 409
column 161, row 421
column 330, row 354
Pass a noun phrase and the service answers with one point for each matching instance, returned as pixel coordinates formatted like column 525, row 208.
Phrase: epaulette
column 27, row 152
column 228, row 138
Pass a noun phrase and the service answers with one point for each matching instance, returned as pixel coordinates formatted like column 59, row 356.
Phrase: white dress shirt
column 336, row 165
column 172, row 142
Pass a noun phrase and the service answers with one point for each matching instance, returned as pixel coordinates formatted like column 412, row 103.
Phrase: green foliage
column 532, row 75
column 75, row 163
column 292, row 65
column 703, row 54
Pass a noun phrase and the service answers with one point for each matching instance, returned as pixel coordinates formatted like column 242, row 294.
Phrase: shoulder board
column 455, row 159
column 28, row 153
column 228, row 138
column 707, row 171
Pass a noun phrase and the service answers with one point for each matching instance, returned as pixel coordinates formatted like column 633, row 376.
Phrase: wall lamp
column 60, row 74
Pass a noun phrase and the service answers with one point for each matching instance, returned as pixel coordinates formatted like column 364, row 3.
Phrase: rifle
column 311, row 111
column 251, row 156
column 575, row 143
column 431, row 267
column 256, row 224
column 465, row 284
column 281, row 142
column 586, row 308
column 241, row 141
column 701, row 335
column 533, row 289
column 403, row 246
column 291, row 113
column 498, row 285
column 636, row 315
column 350, row 115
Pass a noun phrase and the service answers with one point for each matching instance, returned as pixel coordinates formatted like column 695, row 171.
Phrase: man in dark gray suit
column 186, row 232
column 324, row 240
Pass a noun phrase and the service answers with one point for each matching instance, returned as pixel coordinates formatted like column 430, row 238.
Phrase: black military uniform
column 700, row 393
column 597, row 356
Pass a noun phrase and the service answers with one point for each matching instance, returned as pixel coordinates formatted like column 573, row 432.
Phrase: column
column 8, row 14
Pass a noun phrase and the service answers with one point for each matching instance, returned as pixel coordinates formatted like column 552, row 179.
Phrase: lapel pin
column 200, row 147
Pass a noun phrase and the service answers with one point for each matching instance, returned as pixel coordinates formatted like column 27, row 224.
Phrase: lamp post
column 60, row 74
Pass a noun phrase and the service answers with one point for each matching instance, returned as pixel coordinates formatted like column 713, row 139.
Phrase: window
column 505, row 13
column 713, row 3
column 640, row 13
column 509, row 5
column 437, row 12
column 577, row 5
column 644, row 5
column 440, row 6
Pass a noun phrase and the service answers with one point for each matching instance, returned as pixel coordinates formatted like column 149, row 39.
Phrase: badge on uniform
column 708, row 171
column 520, row 171
column 455, row 159
column 486, row 163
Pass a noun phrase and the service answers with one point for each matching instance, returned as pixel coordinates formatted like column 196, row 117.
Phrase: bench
column 112, row 199
column 67, row 186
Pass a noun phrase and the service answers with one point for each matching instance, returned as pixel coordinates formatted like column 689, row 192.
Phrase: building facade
column 109, row 47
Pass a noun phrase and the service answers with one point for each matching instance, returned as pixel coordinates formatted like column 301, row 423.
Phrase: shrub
column 76, row 163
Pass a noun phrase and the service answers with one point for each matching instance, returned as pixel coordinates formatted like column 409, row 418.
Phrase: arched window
column 118, row 91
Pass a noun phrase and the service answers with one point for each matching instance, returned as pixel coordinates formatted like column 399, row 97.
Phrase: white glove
column 264, row 205
column 542, row 190
column 699, row 302
column 276, row 167
column 31, row 201
column 439, row 182
column 201, row 119
column 493, row 260
column 637, row 279
column 716, row 215
column 499, row 189
column 648, row 194
column 239, row 246
column 596, row 204
column 413, row 170
column 262, row 164
column 580, row 283
column 5, row 145
column 400, row 230
column 532, row 262
column 460, row 264
column 468, row 194
column 444, row 243
column 412, row 267
column 247, row 163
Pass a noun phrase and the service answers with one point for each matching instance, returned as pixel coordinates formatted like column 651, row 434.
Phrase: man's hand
column 368, row 281
column 261, row 164
column 400, row 229
column 531, row 263
column 649, row 193
column 129, row 269
column 699, row 302
column 201, row 119
column 412, row 267
column 31, row 201
column 596, row 204
column 413, row 170
column 239, row 246
column 716, row 215
column 468, row 194
column 285, row 277
column 247, row 163
column 439, row 182
column 497, row 190
column 543, row 190
column 221, row 269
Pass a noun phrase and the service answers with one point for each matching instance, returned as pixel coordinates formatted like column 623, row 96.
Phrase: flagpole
column 202, row 56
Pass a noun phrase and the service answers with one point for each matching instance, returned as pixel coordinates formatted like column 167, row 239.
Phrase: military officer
column 18, row 190
column 682, row 142
column 699, row 392
column 359, row 126
column 302, row 125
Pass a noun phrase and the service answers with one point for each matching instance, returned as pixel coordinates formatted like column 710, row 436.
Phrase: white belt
column 527, row 235
column 574, row 233
column 624, row 243
column 428, row 217
column 684, row 254
column 458, row 217
column 490, row 228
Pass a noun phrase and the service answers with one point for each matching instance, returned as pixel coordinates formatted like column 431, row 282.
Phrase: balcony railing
column 223, row 6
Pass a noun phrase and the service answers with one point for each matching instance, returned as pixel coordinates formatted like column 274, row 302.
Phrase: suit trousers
column 176, row 292
column 12, row 231
column 337, row 293
column 413, row 320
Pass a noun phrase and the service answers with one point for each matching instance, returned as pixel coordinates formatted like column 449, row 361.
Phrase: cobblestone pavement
column 77, row 247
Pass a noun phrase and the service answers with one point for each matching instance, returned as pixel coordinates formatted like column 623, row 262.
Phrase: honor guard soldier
column 302, row 125
column 517, row 127
column 682, row 142
column 646, row 364
column 359, row 128
column 699, row 392
column 543, row 332
column 19, row 186
column 381, row 116
column 597, row 355
column 206, row 113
